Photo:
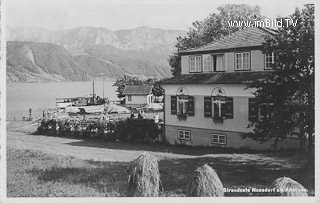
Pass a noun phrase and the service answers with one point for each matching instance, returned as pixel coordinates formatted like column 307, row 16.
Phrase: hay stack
column 144, row 178
column 287, row 187
column 206, row 183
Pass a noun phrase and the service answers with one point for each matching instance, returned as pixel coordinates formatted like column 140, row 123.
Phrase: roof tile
column 137, row 90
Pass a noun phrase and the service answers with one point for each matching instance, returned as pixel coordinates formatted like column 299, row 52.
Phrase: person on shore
column 30, row 114
column 156, row 118
column 144, row 115
column 132, row 115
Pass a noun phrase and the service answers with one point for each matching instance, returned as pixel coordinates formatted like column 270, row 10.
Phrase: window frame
column 242, row 59
column 220, row 106
column 211, row 63
column 184, row 134
column 184, row 103
column 195, row 61
column 219, row 139
column 129, row 97
column 265, row 61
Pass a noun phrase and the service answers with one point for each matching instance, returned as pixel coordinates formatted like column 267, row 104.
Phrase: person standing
column 156, row 118
column 30, row 114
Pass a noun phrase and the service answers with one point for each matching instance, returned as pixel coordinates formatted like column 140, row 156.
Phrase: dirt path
column 21, row 138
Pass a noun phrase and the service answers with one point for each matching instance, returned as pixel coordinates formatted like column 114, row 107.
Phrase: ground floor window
column 129, row 98
column 219, row 139
column 184, row 134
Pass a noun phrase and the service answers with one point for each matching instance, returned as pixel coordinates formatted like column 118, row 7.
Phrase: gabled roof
column 218, row 78
column 137, row 90
column 248, row 37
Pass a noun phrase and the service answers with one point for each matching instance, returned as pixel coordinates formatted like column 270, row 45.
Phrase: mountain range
column 84, row 53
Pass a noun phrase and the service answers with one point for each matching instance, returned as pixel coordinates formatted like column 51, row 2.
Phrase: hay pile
column 206, row 183
column 144, row 178
column 287, row 187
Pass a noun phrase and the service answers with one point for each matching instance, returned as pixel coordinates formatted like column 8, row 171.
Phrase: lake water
column 40, row 96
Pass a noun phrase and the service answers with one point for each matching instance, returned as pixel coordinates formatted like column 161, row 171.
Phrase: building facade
column 209, row 104
column 138, row 94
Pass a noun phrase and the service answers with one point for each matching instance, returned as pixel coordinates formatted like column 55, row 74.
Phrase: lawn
column 34, row 173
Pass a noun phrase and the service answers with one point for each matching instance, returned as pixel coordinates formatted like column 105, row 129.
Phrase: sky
column 126, row 14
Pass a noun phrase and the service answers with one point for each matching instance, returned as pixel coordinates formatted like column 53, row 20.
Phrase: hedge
column 134, row 130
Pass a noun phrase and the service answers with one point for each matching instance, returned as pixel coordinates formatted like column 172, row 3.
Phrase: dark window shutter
column 207, row 107
column 229, row 107
column 174, row 105
column 190, row 106
column 253, row 109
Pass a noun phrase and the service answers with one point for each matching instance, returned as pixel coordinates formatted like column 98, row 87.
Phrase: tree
column 126, row 80
column 131, row 80
column 212, row 28
column 286, row 98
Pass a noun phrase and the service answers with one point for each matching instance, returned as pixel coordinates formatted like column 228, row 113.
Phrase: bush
column 133, row 130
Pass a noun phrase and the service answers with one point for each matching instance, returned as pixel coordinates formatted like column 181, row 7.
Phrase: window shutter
column 253, row 109
column 190, row 108
column 207, row 107
column 229, row 107
column 174, row 105
column 224, row 62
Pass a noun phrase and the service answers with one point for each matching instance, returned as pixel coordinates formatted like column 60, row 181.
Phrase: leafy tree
column 123, row 81
column 286, row 98
column 212, row 28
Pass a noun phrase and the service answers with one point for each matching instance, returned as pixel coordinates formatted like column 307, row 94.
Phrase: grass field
column 32, row 173
column 43, row 166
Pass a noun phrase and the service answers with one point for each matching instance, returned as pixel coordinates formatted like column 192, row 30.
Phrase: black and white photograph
column 192, row 100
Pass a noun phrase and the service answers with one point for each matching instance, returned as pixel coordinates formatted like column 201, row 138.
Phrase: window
column 184, row 135
column 182, row 104
column 269, row 60
column 195, row 64
column 129, row 98
column 218, row 106
column 207, row 63
column 219, row 139
column 242, row 61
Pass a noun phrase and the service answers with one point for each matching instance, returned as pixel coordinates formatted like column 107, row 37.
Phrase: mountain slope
column 142, row 51
column 45, row 62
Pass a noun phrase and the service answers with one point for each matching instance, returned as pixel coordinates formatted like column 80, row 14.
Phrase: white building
column 208, row 104
column 138, row 94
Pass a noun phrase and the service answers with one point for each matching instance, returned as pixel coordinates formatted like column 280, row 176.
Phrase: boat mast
column 93, row 92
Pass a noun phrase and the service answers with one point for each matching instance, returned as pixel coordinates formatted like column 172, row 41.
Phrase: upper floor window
column 207, row 63
column 242, row 61
column 195, row 64
column 220, row 62
column 269, row 60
